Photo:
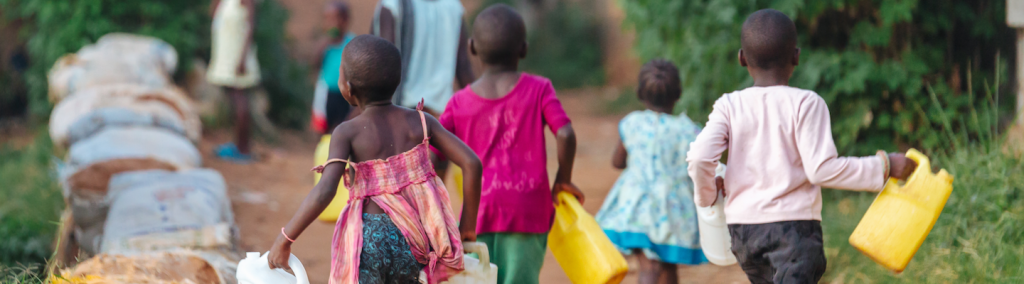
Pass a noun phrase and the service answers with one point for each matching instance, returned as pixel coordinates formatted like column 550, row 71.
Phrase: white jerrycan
column 714, row 233
column 478, row 271
column 255, row 269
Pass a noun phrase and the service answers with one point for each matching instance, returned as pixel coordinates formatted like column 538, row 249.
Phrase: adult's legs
column 242, row 120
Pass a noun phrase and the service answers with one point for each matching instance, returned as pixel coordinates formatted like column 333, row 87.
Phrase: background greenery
column 896, row 74
column 30, row 202
column 871, row 60
column 53, row 28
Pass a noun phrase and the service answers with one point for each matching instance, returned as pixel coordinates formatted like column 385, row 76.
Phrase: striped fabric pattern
column 415, row 199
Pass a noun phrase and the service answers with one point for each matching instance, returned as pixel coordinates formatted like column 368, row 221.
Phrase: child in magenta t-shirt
column 501, row 116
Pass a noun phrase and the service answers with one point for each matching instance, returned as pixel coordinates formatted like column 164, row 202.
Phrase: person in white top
column 233, row 66
column 432, row 39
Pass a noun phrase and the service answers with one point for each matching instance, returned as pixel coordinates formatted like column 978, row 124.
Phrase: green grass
column 30, row 206
column 979, row 238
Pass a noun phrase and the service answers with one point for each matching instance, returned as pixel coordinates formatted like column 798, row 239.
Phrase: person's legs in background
column 242, row 120
column 653, row 271
column 239, row 151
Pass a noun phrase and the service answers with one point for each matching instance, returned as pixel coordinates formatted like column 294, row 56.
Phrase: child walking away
column 329, row 107
column 650, row 210
column 233, row 66
column 780, row 155
column 502, row 117
column 398, row 220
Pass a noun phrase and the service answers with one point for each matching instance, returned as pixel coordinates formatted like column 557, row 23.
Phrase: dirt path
column 266, row 194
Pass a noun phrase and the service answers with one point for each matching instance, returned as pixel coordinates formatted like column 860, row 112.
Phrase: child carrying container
column 502, row 117
column 398, row 220
column 781, row 153
column 650, row 210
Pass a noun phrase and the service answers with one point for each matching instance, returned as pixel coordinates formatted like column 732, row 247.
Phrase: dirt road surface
column 267, row 193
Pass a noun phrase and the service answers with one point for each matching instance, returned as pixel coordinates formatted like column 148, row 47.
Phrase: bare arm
column 472, row 170
column 565, row 138
column 463, row 68
column 619, row 158
column 387, row 25
column 250, row 5
column 318, row 199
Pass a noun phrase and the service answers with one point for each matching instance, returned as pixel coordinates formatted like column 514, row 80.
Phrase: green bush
column 54, row 28
column 872, row 61
column 564, row 45
column 30, row 203
column 57, row 27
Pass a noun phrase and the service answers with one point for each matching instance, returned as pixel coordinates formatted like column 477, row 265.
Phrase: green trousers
column 519, row 257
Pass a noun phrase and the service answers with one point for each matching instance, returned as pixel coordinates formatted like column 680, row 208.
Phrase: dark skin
column 333, row 19
column 496, row 82
column 900, row 167
column 381, row 130
column 238, row 97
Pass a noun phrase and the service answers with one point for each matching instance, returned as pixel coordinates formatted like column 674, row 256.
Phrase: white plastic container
column 478, row 271
column 715, row 240
column 255, row 269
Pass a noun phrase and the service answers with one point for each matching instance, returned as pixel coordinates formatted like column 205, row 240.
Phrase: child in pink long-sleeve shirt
column 780, row 154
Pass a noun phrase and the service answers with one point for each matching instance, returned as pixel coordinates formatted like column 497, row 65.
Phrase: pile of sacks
column 132, row 179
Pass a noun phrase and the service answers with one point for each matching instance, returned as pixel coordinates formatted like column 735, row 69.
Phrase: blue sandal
column 229, row 152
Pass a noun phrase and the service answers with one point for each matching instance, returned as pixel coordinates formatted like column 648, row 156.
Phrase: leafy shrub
column 564, row 45
column 872, row 61
column 978, row 238
column 57, row 27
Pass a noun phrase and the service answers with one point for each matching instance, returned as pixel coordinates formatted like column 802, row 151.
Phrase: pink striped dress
column 409, row 191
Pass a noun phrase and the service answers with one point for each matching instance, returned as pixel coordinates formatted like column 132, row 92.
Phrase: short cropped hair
column 498, row 34
column 373, row 66
column 768, row 39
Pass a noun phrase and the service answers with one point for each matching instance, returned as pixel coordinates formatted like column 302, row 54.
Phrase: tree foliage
column 57, row 27
column 884, row 67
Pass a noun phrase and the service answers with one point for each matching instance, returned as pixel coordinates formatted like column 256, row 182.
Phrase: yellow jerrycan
column 332, row 211
column 901, row 216
column 580, row 246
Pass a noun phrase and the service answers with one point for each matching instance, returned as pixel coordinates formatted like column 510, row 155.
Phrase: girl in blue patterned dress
column 650, row 211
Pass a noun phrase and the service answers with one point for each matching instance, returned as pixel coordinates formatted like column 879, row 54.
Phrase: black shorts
column 336, row 110
column 780, row 252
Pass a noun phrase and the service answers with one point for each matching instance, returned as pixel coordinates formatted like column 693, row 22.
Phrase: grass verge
column 30, row 206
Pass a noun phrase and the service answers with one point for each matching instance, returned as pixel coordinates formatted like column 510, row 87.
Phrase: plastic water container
column 899, row 219
column 330, row 214
column 715, row 240
column 580, row 246
column 255, row 269
column 478, row 271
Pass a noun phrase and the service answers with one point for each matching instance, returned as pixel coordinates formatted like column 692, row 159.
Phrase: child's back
column 398, row 220
column 780, row 154
column 501, row 117
column 650, row 211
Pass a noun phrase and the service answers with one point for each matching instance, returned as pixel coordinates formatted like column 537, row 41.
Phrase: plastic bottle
column 255, row 269
column 901, row 216
column 715, row 240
